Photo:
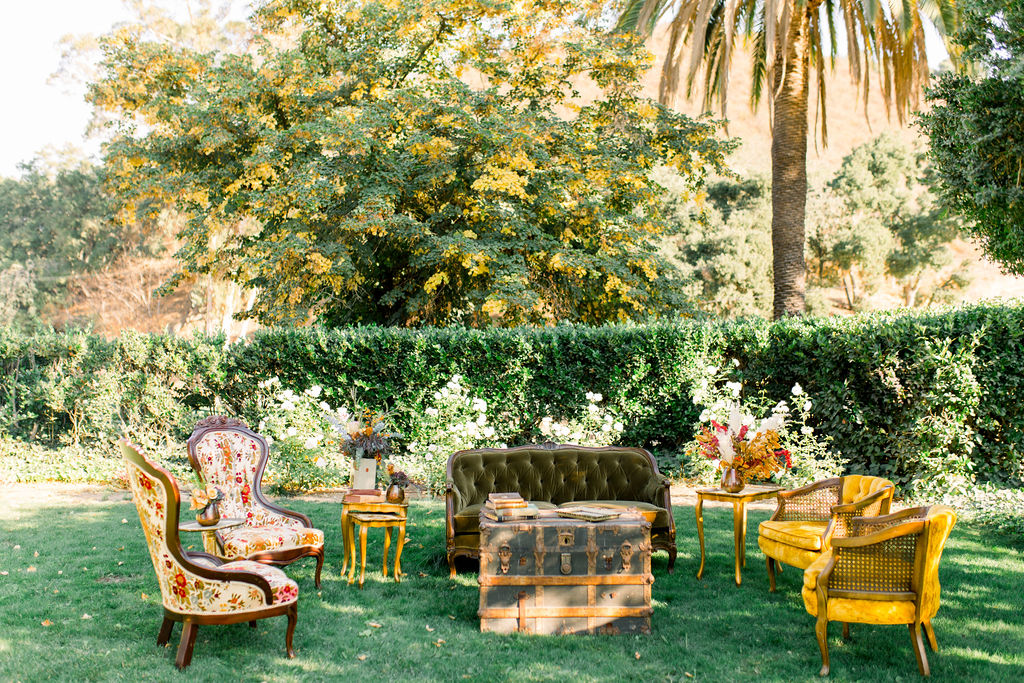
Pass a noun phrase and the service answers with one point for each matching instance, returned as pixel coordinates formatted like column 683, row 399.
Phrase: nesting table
column 367, row 515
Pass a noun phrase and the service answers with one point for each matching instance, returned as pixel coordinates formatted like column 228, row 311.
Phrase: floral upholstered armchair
column 809, row 517
column 886, row 571
column 225, row 453
column 198, row 588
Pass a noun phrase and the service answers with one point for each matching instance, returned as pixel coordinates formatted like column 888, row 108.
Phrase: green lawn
column 89, row 562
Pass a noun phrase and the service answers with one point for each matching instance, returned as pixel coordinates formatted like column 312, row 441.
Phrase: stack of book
column 506, row 507
column 364, row 496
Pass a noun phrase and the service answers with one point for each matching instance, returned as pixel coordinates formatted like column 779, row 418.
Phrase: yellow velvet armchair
column 886, row 571
column 809, row 517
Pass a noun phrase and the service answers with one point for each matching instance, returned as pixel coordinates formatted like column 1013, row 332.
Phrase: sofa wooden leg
column 252, row 624
column 846, row 630
column 771, row 574
column 188, row 641
column 451, row 565
column 922, row 658
column 165, row 632
column 672, row 559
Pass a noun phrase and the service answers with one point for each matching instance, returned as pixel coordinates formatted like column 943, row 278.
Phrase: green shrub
column 929, row 399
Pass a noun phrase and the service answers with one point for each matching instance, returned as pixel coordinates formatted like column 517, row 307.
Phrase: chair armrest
column 213, row 574
column 449, row 512
column 843, row 514
column 284, row 512
column 907, row 528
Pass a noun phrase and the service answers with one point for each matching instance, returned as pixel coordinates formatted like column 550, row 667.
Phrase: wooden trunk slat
column 557, row 575
column 533, row 612
column 608, row 580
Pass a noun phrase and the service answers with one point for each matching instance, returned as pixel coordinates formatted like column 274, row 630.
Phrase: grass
column 90, row 562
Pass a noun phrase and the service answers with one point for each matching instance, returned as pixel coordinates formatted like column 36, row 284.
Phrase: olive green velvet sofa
column 551, row 475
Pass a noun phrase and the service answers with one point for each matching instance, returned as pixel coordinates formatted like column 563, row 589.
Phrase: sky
column 36, row 114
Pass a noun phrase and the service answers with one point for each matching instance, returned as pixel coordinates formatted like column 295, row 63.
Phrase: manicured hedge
column 915, row 396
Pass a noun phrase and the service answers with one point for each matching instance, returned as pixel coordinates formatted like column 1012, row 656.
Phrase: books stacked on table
column 507, row 507
column 364, row 496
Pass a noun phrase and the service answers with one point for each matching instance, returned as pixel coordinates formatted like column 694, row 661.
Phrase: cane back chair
column 885, row 572
column 197, row 588
column 225, row 453
column 809, row 517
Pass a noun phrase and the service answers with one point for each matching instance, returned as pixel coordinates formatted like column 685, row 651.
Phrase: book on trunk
column 499, row 501
column 509, row 514
column 588, row 514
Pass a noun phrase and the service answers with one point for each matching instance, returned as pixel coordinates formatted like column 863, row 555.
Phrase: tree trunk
column 789, row 169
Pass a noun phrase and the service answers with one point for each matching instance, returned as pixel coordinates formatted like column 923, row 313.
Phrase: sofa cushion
column 803, row 535
column 660, row 514
column 467, row 520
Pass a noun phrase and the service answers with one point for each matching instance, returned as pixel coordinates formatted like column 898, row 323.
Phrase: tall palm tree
column 791, row 41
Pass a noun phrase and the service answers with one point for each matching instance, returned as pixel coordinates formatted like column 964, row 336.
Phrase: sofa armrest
column 449, row 513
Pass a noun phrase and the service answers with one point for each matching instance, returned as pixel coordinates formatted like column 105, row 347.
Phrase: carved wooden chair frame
column 192, row 622
column 223, row 423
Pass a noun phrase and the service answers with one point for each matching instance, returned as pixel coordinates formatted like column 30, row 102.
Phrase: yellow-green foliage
column 386, row 189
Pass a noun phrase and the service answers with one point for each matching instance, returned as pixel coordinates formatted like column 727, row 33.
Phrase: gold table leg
column 738, row 530
column 346, row 534
column 398, row 552
column 362, row 554
column 350, row 551
column 387, row 548
column 700, row 532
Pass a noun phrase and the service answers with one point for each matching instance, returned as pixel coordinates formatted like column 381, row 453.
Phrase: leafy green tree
column 382, row 188
column 792, row 41
column 976, row 129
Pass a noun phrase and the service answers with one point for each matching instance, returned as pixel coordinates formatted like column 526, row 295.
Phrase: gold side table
column 210, row 532
column 348, row 507
column 739, row 502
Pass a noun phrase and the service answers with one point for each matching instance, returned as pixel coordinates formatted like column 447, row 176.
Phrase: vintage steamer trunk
column 557, row 575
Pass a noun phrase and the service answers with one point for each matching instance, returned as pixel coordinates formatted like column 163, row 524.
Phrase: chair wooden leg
column 165, row 631
column 771, row 574
column 252, row 624
column 319, row 566
column 846, row 630
column 930, row 633
column 293, row 618
column 918, row 642
column 821, row 631
column 188, row 641
column 451, row 565
column 672, row 559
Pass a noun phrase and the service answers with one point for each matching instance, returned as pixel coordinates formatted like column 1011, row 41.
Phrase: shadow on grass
column 89, row 562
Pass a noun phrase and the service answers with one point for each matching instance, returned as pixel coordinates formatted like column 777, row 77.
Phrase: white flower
column 457, row 379
column 432, row 412
column 696, row 399
column 479, row 405
column 437, row 395
column 705, row 416
column 712, row 369
column 413, row 445
column 598, row 398
column 592, row 409
column 735, row 362
column 314, row 391
column 291, row 431
column 270, row 441
column 330, row 153
column 287, row 405
column 320, row 462
column 734, row 387
column 325, row 406
column 590, row 396
column 807, row 406
column 619, row 426
column 488, row 432
column 606, row 427
column 444, row 392
column 797, row 390
column 806, row 431
column 781, row 408
column 262, row 426
column 481, row 419
column 311, row 443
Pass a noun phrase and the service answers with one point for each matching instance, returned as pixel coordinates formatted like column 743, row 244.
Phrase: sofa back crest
column 555, row 475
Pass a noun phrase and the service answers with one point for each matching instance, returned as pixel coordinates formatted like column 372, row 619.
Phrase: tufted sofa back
column 555, row 474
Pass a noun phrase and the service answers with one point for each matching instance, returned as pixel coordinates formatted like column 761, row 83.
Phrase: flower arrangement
column 397, row 477
column 203, row 498
column 752, row 448
column 364, row 437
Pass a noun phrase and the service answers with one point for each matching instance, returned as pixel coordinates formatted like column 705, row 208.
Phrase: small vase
column 395, row 494
column 732, row 481
column 209, row 516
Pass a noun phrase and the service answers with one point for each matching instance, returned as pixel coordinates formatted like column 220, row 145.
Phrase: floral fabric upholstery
column 229, row 460
column 244, row 541
column 182, row 590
